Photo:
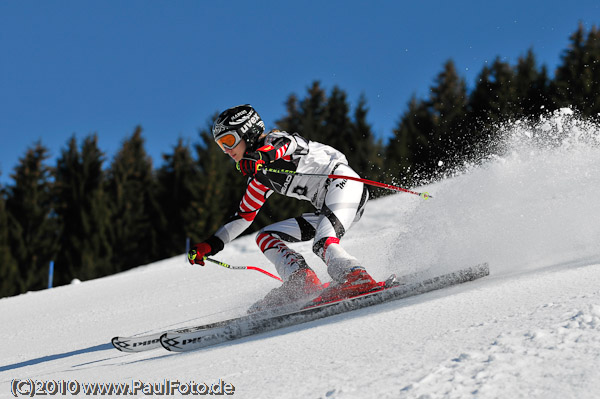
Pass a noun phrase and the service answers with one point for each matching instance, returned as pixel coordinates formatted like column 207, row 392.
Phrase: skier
column 239, row 131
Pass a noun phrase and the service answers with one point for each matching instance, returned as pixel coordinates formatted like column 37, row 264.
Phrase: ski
column 211, row 334
column 142, row 343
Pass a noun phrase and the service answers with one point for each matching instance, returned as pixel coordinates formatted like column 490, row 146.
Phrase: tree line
column 94, row 217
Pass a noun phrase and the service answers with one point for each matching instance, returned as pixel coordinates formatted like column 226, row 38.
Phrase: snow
column 529, row 330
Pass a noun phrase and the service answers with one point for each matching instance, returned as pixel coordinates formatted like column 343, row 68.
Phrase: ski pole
column 359, row 179
column 228, row 266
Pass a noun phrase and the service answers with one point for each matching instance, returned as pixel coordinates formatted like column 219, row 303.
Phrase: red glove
column 198, row 252
column 251, row 163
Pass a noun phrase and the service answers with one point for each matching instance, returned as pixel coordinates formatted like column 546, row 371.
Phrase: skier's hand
column 198, row 252
column 252, row 162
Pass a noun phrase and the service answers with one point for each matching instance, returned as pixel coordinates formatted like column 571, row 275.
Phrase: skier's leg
column 344, row 205
column 271, row 239
column 299, row 281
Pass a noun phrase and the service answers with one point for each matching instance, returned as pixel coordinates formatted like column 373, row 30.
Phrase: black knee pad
column 319, row 247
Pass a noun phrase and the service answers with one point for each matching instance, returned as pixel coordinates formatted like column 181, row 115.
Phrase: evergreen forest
column 94, row 216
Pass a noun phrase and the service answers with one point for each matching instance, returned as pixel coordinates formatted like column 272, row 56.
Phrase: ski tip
column 166, row 342
column 117, row 343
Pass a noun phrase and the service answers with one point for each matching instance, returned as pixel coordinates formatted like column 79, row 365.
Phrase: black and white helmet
column 242, row 120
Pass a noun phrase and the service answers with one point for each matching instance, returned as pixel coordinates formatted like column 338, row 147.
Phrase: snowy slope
column 529, row 330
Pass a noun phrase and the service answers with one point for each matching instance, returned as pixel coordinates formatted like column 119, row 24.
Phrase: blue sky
column 78, row 67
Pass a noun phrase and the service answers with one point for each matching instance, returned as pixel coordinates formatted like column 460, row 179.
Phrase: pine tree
column 10, row 280
column 84, row 210
column 131, row 189
column 337, row 128
column 577, row 79
column 33, row 231
column 312, row 113
column 569, row 83
column 494, row 98
column 368, row 151
column 593, row 71
column 180, row 194
column 448, row 102
column 407, row 152
column 292, row 121
column 532, row 87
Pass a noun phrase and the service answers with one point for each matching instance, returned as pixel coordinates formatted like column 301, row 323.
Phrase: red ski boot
column 357, row 282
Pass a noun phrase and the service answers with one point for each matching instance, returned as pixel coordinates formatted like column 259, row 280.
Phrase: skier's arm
column 254, row 198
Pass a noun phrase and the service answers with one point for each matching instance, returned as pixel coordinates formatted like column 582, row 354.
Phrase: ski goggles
column 228, row 140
